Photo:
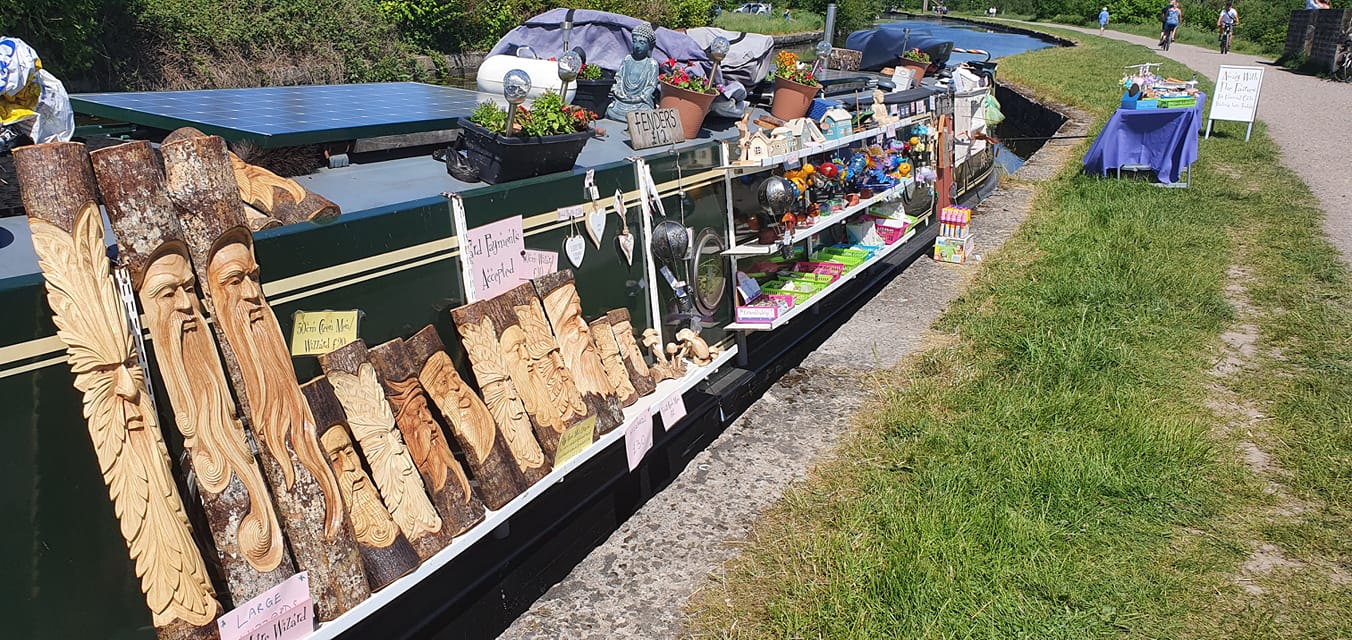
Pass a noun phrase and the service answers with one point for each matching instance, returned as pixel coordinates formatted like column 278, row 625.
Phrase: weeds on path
column 1074, row 463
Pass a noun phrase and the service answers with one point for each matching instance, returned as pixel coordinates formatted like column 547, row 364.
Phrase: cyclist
column 1227, row 21
column 1172, row 16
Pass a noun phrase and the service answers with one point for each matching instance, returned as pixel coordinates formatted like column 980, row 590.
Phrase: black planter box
column 594, row 95
column 502, row 159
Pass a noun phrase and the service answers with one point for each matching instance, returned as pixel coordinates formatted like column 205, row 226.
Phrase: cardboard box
column 953, row 250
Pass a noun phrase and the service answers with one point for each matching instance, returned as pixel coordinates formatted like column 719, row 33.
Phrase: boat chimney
column 830, row 27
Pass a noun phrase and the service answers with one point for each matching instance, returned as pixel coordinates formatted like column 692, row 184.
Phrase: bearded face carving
column 370, row 520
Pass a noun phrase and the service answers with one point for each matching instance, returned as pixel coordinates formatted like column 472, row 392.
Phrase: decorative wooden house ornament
column 836, row 124
column 782, row 141
column 756, row 147
column 807, row 132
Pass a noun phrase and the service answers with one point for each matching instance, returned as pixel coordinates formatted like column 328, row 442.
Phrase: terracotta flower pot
column 792, row 100
column 691, row 106
column 920, row 67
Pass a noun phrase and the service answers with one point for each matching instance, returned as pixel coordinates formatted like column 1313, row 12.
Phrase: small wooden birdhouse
column 756, row 147
column 836, row 124
column 807, row 131
column 782, row 141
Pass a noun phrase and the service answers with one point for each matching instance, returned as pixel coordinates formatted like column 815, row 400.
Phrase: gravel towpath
column 637, row 582
column 1307, row 116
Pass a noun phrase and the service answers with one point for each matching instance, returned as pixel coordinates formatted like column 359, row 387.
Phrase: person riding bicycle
column 1171, row 17
column 1229, row 18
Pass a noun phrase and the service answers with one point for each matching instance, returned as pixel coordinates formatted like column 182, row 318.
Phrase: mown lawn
column 1066, row 466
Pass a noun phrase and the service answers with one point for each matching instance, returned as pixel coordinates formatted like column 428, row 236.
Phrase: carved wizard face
column 234, row 281
column 168, row 292
column 343, row 459
column 471, row 410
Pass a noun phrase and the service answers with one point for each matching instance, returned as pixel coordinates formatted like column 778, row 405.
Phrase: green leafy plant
column 916, row 55
column 788, row 68
column 547, row 116
column 589, row 72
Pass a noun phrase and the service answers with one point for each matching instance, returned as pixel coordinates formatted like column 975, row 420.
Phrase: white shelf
column 821, row 225
column 824, row 293
column 650, row 404
column 889, row 129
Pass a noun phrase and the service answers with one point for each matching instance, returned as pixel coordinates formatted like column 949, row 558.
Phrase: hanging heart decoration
column 626, row 241
column 576, row 248
column 596, row 223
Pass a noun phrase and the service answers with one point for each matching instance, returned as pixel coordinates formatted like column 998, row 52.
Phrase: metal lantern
column 718, row 49
column 515, row 88
column 569, row 65
column 670, row 242
column 776, row 195
column 820, row 54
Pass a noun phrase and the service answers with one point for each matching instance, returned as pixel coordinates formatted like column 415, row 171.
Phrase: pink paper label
column 284, row 612
column 638, row 438
column 494, row 253
column 673, row 409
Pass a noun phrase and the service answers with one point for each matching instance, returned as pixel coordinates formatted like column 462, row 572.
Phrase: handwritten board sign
column 494, row 254
column 575, row 440
column 638, row 438
column 1236, row 98
column 316, row 333
column 284, row 612
column 538, row 263
column 654, row 127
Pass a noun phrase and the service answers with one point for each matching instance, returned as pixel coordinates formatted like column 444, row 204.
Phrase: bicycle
column 1227, row 32
column 1342, row 60
column 1168, row 38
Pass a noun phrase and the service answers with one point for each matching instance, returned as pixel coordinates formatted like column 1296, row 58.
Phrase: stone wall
column 1314, row 34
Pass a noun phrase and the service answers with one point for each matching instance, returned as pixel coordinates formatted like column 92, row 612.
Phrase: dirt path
column 636, row 584
column 1307, row 116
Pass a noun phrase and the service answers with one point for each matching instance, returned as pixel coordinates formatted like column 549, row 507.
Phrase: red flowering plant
column 788, row 68
column 547, row 116
column 679, row 76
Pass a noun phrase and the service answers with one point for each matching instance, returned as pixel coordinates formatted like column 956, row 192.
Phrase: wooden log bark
column 634, row 363
column 564, row 309
column 528, row 349
column 239, row 509
column 503, row 463
column 372, row 422
column 57, row 186
column 386, row 553
column 604, row 337
column 272, row 195
column 442, row 474
column 306, row 492
column 258, row 221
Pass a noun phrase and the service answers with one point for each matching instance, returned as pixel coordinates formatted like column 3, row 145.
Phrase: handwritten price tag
column 319, row 332
column 575, row 440
column 568, row 213
column 638, row 438
column 672, row 409
column 284, row 612
column 538, row 263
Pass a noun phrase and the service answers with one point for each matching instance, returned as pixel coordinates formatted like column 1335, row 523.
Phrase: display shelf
column 651, row 404
column 889, row 129
column 822, row 224
column 824, row 293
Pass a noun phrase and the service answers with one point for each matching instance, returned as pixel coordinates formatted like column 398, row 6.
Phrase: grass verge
column 771, row 24
column 1066, row 467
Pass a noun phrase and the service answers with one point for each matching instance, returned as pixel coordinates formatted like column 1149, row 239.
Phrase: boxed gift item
column 953, row 250
column 766, row 308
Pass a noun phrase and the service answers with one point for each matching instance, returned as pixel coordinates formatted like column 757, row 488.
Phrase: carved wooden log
column 442, row 474
column 309, row 501
column 258, row 221
column 385, row 552
column 272, row 195
column 634, row 363
column 57, row 186
column 604, row 337
column 504, row 463
column 238, row 505
column 368, row 415
column 564, row 309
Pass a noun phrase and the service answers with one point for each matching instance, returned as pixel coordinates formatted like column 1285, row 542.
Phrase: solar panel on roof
column 289, row 116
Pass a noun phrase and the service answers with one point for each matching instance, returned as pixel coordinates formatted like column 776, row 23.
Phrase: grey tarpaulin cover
column 603, row 35
column 748, row 60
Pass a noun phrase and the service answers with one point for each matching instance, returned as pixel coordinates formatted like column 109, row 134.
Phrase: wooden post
column 385, row 552
column 272, row 195
column 308, row 499
column 604, row 337
column 368, row 414
column 503, row 463
column 445, row 480
column 564, row 309
column 634, row 363
column 57, row 186
column 239, row 510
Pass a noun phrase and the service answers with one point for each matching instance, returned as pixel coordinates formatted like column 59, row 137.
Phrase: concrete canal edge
column 636, row 583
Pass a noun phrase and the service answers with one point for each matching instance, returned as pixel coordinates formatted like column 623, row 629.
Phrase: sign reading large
column 1236, row 98
column 654, row 128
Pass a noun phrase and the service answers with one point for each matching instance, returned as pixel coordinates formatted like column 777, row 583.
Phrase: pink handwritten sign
column 539, row 263
column 284, row 612
column 494, row 254
column 672, row 410
column 638, row 438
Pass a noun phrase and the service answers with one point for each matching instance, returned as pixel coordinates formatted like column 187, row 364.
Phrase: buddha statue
column 636, row 80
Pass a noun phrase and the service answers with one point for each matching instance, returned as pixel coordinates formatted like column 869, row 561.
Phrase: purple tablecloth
column 1165, row 139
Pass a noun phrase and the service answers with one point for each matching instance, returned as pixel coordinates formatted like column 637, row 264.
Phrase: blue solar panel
column 288, row 116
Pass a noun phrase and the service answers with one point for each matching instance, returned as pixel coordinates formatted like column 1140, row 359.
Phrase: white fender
column 544, row 75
